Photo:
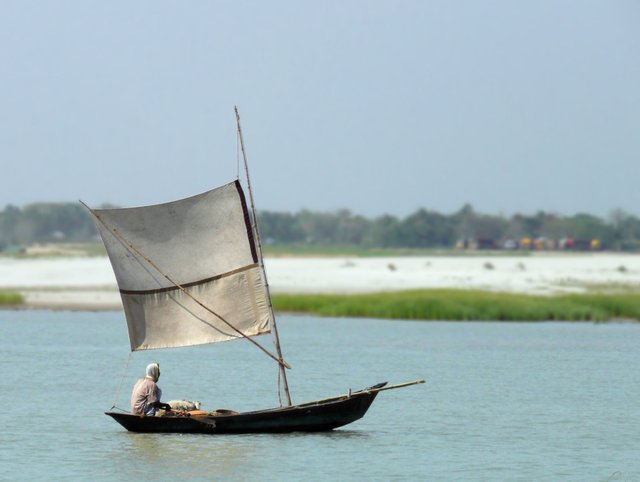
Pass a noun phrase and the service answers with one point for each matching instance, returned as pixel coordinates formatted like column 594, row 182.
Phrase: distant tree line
column 45, row 222
column 70, row 222
column 430, row 229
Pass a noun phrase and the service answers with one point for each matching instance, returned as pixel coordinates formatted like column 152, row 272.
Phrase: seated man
column 145, row 399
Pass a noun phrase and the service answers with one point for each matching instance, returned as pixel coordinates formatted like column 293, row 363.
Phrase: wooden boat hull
column 309, row 417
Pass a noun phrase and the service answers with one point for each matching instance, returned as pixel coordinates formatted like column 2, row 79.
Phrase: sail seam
column 188, row 285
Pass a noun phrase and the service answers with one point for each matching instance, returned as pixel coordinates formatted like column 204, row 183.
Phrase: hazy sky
column 374, row 106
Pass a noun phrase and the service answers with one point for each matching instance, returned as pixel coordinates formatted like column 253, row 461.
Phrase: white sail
column 204, row 244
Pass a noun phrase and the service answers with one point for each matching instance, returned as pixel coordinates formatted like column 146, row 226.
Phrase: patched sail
column 203, row 243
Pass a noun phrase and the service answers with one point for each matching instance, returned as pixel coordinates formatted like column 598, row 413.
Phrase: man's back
column 145, row 393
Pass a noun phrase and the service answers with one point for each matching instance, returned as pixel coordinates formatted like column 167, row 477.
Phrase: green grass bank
column 10, row 298
column 463, row 305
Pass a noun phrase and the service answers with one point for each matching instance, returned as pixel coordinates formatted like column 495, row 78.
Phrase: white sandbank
column 89, row 283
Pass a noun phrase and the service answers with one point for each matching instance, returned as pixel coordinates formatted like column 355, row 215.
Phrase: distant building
column 525, row 243
column 484, row 243
column 476, row 243
column 577, row 244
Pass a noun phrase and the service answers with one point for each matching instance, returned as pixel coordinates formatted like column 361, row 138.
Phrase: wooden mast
column 283, row 372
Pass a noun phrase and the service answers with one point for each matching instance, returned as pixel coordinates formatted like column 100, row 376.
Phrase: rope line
column 238, row 155
column 124, row 374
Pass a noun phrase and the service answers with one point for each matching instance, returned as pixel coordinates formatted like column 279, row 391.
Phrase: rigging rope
column 279, row 387
column 238, row 155
column 124, row 374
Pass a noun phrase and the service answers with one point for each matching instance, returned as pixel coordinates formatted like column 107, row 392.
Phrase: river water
column 503, row 401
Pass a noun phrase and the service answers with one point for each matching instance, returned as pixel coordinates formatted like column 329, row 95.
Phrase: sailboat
column 191, row 272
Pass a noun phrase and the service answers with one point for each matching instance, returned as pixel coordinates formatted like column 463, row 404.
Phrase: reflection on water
column 199, row 456
column 190, row 457
column 342, row 434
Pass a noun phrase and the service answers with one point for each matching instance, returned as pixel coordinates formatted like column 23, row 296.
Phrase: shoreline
column 473, row 312
column 88, row 284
